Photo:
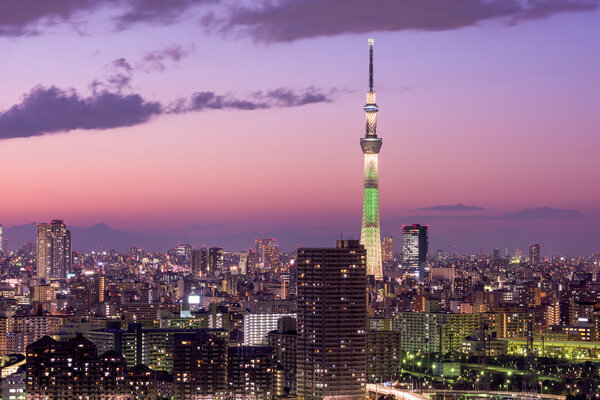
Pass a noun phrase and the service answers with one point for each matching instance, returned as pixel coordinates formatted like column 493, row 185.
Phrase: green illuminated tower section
column 370, row 235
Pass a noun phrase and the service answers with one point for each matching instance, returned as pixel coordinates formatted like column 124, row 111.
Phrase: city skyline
column 481, row 132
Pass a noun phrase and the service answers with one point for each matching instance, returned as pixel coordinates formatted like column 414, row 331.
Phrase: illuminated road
column 399, row 394
column 425, row 394
column 517, row 395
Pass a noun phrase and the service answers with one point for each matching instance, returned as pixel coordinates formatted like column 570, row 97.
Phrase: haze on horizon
column 246, row 118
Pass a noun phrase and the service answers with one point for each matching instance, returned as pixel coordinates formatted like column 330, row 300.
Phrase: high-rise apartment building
column 283, row 341
column 199, row 262
column 61, row 370
column 54, row 256
column 370, row 235
column 257, row 326
column 215, row 260
column 251, row 372
column 243, row 263
column 534, row 253
column 332, row 322
column 200, row 366
column 251, row 263
column 415, row 243
column 387, row 249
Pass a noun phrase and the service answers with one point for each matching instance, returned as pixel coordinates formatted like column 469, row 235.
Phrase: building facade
column 415, row 244
column 332, row 322
column 54, row 256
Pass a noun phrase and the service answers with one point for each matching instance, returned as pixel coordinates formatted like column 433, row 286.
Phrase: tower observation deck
column 370, row 235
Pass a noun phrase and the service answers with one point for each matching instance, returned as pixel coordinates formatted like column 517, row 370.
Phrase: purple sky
column 163, row 114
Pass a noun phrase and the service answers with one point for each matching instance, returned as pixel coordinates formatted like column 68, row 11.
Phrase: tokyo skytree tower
column 370, row 235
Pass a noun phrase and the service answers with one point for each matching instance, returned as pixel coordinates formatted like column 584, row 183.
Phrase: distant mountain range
column 560, row 232
column 103, row 237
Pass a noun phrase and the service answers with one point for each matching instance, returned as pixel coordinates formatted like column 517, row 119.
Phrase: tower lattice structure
column 370, row 234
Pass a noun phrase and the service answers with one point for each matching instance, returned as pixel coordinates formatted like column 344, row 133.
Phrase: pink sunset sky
column 162, row 115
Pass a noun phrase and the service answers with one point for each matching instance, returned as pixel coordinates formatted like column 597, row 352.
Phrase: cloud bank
column 276, row 98
column 51, row 110
column 289, row 20
column 48, row 110
column 29, row 17
column 456, row 207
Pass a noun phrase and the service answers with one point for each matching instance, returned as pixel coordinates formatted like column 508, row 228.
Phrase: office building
column 370, row 235
column 183, row 252
column 332, row 322
column 199, row 262
column 267, row 253
column 415, row 242
column 387, row 249
column 43, row 293
column 215, row 261
column 54, row 257
column 243, row 263
column 534, row 253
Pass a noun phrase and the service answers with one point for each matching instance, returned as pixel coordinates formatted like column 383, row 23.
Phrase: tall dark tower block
column 332, row 322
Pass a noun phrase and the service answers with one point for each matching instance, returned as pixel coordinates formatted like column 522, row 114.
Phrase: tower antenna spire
column 371, row 42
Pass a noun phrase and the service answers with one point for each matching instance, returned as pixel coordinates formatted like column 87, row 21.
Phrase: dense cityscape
column 319, row 323
column 392, row 314
column 108, row 325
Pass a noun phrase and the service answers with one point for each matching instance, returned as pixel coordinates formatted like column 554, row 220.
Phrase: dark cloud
column 286, row 98
column 48, row 110
column 281, row 97
column 156, row 11
column 22, row 17
column 541, row 213
column 155, row 60
column 288, row 20
column 456, row 207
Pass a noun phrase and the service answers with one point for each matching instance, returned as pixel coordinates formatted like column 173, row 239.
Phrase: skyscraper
column 332, row 322
column 387, row 249
column 199, row 261
column 534, row 253
column 215, row 260
column 370, row 236
column 415, row 243
column 1, row 242
column 267, row 253
column 54, row 257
